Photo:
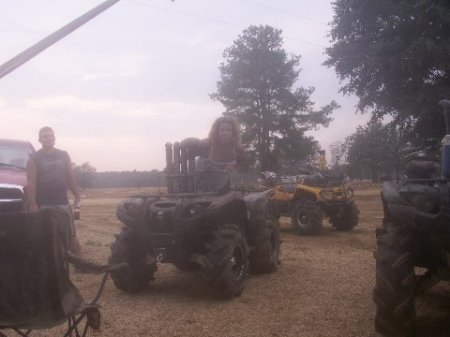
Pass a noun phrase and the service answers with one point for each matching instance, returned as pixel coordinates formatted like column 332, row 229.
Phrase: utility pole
column 29, row 53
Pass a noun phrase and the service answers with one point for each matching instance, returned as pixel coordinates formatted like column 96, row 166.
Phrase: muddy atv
column 309, row 198
column 413, row 245
column 218, row 232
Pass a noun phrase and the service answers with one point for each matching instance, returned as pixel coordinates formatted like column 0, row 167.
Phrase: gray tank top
column 51, row 186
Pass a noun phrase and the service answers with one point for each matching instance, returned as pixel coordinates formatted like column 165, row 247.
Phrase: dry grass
column 322, row 288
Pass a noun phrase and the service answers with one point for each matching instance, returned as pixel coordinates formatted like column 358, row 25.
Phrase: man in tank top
column 49, row 173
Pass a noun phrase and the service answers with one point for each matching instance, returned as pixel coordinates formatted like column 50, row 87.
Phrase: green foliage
column 376, row 150
column 395, row 56
column 257, row 86
column 84, row 174
column 338, row 152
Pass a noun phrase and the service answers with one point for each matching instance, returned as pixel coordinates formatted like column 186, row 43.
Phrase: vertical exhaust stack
column 191, row 172
column 169, row 168
column 184, row 170
column 180, row 169
column 176, row 164
column 445, row 155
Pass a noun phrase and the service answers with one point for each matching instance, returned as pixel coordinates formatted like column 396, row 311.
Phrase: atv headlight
column 327, row 194
column 196, row 208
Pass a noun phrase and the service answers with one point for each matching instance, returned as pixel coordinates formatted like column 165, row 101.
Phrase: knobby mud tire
column 349, row 218
column 265, row 256
column 227, row 261
column 307, row 217
column 136, row 276
column 395, row 281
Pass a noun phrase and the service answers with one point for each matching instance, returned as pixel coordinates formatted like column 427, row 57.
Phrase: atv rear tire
column 307, row 216
column 227, row 263
column 348, row 219
column 265, row 256
column 138, row 273
column 395, row 280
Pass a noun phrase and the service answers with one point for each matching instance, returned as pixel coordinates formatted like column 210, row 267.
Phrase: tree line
column 88, row 177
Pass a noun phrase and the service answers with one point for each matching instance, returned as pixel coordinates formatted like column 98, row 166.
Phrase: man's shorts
column 67, row 209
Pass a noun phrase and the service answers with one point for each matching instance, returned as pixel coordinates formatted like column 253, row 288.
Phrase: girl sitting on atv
column 217, row 155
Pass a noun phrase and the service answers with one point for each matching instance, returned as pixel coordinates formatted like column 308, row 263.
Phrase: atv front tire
column 136, row 276
column 265, row 256
column 307, row 216
column 227, row 261
column 395, row 279
column 348, row 219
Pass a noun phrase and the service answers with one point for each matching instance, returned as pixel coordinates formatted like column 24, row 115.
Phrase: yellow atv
column 307, row 199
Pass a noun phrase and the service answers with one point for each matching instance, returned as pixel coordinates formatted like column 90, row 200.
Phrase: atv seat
column 316, row 180
column 35, row 288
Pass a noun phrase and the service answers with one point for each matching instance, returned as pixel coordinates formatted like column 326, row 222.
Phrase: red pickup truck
column 13, row 178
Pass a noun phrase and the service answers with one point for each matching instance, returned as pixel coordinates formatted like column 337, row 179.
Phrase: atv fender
column 229, row 209
column 305, row 192
column 131, row 211
column 257, row 205
column 398, row 210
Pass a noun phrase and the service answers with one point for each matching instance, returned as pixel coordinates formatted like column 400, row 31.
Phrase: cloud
column 85, row 65
column 169, row 110
column 110, row 134
column 197, row 40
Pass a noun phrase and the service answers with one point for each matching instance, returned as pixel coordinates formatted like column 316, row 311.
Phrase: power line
column 280, row 10
column 219, row 21
column 176, row 11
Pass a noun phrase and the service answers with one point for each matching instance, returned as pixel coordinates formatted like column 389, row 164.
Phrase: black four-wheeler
column 200, row 224
column 415, row 233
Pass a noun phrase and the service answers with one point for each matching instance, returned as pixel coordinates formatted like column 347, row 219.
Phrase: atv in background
column 415, row 233
column 308, row 198
column 198, row 225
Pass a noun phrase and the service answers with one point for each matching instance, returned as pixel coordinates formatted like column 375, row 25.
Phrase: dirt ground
column 323, row 287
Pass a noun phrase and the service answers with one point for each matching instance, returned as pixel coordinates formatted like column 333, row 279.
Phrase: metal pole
column 191, row 169
column 184, row 170
column 176, row 164
column 29, row 53
column 169, row 167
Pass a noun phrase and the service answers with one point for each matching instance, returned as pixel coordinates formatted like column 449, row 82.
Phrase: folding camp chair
column 35, row 288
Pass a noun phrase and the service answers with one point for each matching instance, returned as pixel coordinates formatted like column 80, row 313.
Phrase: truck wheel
column 348, row 219
column 393, row 293
column 138, row 273
column 265, row 256
column 307, row 216
column 227, row 261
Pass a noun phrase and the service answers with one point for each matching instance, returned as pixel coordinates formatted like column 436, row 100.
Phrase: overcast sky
column 140, row 74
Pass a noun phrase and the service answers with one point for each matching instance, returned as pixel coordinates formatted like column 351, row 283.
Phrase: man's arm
column 71, row 181
column 31, row 185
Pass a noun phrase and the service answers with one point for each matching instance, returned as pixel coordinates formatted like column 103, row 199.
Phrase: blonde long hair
column 236, row 127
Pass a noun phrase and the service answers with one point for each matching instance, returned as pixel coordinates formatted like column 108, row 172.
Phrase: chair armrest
column 91, row 267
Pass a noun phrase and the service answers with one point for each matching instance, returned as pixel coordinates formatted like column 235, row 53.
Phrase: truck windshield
column 14, row 155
